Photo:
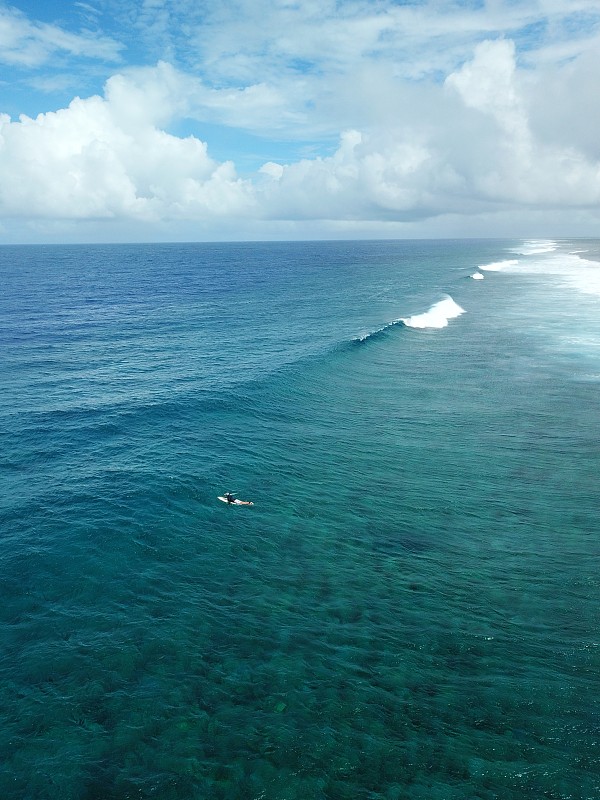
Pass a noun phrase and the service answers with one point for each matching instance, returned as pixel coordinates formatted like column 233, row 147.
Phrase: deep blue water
column 409, row 611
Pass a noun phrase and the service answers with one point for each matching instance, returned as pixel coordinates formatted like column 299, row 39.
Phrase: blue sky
column 244, row 119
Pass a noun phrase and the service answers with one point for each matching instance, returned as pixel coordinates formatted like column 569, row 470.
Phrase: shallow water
column 409, row 610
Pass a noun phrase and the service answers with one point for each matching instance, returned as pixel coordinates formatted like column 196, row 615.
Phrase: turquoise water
column 409, row 610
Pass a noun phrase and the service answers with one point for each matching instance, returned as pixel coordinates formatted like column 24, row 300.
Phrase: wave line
column 437, row 316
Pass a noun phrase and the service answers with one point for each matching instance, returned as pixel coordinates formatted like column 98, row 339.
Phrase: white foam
column 533, row 247
column 477, row 276
column 569, row 269
column 583, row 275
column 437, row 316
column 498, row 266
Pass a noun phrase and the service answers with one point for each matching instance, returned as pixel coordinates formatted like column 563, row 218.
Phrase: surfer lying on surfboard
column 229, row 498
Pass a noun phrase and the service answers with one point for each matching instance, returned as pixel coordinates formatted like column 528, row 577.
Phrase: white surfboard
column 236, row 502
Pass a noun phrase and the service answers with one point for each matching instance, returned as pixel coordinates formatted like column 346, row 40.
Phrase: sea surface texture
column 409, row 610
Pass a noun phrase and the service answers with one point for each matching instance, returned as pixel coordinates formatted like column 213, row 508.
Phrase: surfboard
column 236, row 502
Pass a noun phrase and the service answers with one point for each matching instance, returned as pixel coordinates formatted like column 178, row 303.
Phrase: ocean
column 410, row 608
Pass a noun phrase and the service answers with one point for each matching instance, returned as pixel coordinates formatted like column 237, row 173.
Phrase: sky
column 216, row 120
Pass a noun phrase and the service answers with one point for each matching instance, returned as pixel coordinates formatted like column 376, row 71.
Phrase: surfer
column 232, row 500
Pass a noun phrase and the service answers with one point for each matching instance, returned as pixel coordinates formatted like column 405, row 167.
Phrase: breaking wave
column 498, row 266
column 545, row 259
column 437, row 316
column 533, row 247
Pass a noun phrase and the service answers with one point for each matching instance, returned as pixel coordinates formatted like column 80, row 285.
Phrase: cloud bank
column 485, row 141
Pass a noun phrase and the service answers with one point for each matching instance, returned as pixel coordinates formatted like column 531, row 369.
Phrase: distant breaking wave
column 498, row 266
column 533, row 247
column 545, row 259
column 437, row 316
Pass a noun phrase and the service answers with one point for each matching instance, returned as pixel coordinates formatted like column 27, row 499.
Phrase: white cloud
column 252, row 38
column 106, row 157
column 30, row 44
column 469, row 151
column 487, row 83
column 481, row 155
column 526, row 169
column 564, row 104
column 365, row 179
column 440, row 113
column 308, row 70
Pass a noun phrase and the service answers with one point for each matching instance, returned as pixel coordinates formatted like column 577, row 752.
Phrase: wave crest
column 379, row 332
column 437, row 316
